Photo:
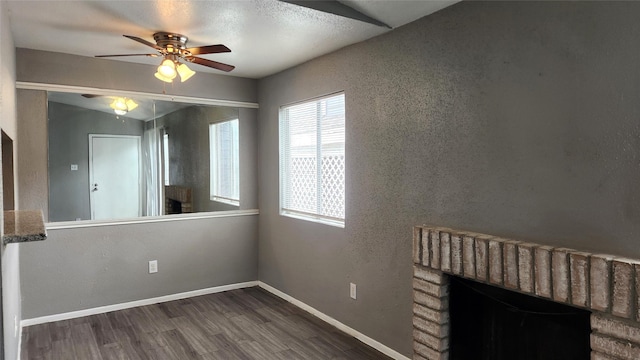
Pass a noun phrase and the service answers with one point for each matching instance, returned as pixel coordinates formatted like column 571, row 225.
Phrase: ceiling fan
column 173, row 49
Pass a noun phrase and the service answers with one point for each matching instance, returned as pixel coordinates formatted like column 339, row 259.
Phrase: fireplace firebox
column 490, row 323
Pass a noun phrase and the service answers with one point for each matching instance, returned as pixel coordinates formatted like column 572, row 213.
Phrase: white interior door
column 114, row 175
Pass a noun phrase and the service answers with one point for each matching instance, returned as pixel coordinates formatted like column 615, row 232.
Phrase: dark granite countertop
column 23, row 226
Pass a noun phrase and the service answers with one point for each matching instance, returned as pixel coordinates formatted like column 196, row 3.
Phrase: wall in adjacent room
column 517, row 119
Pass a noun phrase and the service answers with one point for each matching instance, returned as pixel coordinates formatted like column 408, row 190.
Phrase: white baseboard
column 322, row 316
column 131, row 304
column 19, row 352
column 331, row 321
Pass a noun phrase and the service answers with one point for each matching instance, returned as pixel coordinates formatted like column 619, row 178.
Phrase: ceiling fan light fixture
column 167, row 69
column 184, row 72
column 119, row 104
column 163, row 78
column 131, row 104
column 122, row 105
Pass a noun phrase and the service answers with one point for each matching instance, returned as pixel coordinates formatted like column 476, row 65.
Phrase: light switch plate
column 153, row 266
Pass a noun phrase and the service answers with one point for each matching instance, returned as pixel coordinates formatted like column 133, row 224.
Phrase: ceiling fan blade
column 150, row 55
column 337, row 8
column 210, row 63
column 143, row 41
column 211, row 49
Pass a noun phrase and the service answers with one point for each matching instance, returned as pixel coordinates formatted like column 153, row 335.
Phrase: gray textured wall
column 509, row 118
column 77, row 269
column 69, row 129
column 65, row 69
column 113, row 256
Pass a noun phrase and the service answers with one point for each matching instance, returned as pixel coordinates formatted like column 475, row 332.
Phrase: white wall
column 10, row 254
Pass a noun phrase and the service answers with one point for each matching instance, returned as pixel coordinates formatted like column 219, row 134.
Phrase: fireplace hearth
column 604, row 287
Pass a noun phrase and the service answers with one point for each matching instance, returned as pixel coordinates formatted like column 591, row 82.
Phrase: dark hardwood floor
column 240, row 324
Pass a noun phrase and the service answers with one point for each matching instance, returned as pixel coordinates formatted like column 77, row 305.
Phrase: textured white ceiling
column 265, row 36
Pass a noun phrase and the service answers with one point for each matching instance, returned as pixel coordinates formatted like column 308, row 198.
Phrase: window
column 224, row 162
column 312, row 160
column 165, row 156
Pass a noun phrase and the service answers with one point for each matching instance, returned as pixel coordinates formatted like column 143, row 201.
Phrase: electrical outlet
column 352, row 291
column 153, row 266
column 74, row 167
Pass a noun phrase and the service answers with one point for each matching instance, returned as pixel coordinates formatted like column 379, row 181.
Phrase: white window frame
column 165, row 157
column 283, row 176
column 215, row 170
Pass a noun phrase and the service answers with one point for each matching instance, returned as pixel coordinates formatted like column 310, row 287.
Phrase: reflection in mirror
column 111, row 159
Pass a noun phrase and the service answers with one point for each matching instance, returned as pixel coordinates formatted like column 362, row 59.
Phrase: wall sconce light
column 122, row 105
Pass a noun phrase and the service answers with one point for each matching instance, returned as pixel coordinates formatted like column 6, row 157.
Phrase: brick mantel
column 607, row 285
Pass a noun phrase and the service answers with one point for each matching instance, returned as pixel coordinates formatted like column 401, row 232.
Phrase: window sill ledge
column 311, row 218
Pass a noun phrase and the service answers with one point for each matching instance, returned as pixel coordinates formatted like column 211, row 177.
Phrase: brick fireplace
column 607, row 286
column 177, row 199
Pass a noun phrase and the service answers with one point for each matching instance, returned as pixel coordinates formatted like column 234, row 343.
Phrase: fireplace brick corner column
column 430, row 314
column 607, row 285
